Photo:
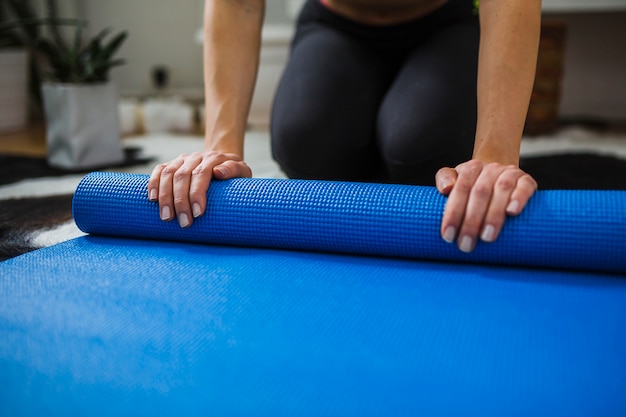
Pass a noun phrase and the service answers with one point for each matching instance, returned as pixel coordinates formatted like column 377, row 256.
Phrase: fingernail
column 445, row 183
column 512, row 207
column 449, row 234
column 197, row 211
column 488, row 234
column 467, row 244
column 183, row 220
column 166, row 213
column 152, row 195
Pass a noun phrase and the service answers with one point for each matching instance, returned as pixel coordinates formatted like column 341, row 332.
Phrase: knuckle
column 165, row 195
column 200, row 170
column 474, row 165
column 505, row 183
column 179, row 201
column 463, row 186
column 470, row 168
column 212, row 159
column 181, row 174
column 169, row 169
column 481, row 191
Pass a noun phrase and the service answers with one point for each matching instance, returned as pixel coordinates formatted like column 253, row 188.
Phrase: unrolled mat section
column 562, row 229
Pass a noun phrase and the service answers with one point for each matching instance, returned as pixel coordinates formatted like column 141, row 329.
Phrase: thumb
column 445, row 180
column 232, row 169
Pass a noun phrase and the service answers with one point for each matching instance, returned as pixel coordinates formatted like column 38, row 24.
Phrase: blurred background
column 163, row 33
column 583, row 75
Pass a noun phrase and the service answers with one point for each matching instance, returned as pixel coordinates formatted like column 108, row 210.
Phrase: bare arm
column 506, row 71
column 232, row 34
column 232, row 37
column 490, row 186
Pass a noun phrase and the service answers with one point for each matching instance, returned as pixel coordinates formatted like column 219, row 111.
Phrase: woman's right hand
column 180, row 185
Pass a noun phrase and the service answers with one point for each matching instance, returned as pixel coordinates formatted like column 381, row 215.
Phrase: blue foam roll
column 575, row 230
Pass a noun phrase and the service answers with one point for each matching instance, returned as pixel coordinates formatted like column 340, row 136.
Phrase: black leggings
column 382, row 104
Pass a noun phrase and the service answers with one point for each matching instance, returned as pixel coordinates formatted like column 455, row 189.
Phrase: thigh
column 324, row 111
column 427, row 120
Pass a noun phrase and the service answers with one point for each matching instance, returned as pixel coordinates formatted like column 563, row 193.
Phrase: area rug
column 35, row 200
column 18, row 168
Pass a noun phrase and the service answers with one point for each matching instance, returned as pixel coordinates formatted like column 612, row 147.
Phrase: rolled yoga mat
column 579, row 230
column 121, row 326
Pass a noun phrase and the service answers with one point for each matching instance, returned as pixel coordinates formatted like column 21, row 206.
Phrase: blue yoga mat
column 140, row 319
column 581, row 230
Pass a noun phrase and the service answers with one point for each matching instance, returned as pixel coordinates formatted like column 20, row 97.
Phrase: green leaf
column 23, row 10
column 114, row 45
column 90, row 63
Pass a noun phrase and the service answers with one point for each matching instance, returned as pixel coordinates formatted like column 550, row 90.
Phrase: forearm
column 506, row 71
column 232, row 36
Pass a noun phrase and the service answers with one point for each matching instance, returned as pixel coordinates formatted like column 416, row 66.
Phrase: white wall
column 162, row 33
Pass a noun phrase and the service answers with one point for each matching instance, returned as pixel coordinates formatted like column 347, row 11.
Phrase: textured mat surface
column 107, row 326
column 112, row 326
column 559, row 229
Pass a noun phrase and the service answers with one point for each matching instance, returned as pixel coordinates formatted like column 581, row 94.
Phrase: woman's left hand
column 480, row 196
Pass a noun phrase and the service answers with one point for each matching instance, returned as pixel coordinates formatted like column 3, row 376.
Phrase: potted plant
column 20, row 30
column 14, row 69
column 80, row 103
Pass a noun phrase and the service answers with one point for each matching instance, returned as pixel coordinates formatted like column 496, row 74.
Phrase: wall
column 162, row 33
column 594, row 83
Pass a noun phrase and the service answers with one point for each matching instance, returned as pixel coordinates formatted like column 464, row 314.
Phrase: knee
column 288, row 140
column 414, row 148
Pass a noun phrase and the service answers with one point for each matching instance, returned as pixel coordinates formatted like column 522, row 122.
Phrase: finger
column 232, row 169
column 181, row 189
column 526, row 187
column 457, row 200
column 496, row 213
column 445, row 179
column 477, row 206
column 202, row 174
column 166, row 193
column 153, row 182
column 200, row 182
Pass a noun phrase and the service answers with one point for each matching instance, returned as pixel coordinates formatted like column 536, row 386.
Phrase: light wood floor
column 31, row 141
column 28, row 142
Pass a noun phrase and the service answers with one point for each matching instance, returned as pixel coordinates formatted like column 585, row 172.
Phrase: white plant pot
column 13, row 90
column 82, row 125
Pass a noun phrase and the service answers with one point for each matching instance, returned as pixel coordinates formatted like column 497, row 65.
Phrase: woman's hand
column 480, row 196
column 180, row 186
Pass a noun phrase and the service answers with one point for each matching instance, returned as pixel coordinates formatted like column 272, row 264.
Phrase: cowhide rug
column 35, row 201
